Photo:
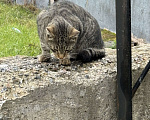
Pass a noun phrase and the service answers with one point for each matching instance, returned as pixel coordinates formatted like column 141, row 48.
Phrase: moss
column 108, row 35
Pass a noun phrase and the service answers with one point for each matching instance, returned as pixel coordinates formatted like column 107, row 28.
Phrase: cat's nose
column 61, row 56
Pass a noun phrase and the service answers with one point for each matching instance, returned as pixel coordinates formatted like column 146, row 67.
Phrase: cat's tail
column 56, row 1
column 90, row 54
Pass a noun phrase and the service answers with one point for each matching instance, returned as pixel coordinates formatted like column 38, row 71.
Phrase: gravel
column 21, row 74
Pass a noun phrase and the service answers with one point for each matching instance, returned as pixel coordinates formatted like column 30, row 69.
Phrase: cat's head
column 61, row 39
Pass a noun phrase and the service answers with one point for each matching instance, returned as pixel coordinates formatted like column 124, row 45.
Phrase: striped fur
column 70, row 32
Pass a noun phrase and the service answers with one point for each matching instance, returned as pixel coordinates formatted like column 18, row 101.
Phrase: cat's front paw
column 65, row 61
column 44, row 58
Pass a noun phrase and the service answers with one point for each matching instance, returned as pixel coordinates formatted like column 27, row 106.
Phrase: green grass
column 26, row 42
column 13, row 43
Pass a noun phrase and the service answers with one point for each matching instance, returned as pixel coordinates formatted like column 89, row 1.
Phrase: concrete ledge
column 82, row 92
column 65, row 102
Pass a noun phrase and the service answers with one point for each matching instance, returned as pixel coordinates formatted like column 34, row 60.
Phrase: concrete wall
column 68, row 101
column 65, row 102
column 104, row 11
column 140, row 19
column 40, row 4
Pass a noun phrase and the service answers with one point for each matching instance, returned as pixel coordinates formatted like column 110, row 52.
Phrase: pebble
column 3, row 66
column 20, row 75
column 87, row 76
column 51, row 80
column 26, row 74
column 37, row 77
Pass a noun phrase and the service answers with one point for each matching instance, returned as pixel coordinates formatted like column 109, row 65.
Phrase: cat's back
column 64, row 7
column 60, row 8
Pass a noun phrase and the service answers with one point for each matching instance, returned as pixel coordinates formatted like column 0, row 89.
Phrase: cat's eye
column 49, row 36
column 54, row 50
column 67, row 50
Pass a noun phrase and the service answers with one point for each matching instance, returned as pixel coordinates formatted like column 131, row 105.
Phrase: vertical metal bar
column 124, row 75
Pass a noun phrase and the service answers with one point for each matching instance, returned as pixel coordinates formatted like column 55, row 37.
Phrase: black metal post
column 124, row 75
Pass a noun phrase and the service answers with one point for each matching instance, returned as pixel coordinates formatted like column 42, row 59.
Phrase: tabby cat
column 70, row 32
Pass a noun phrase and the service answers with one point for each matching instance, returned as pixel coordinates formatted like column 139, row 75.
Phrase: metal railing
column 124, row 64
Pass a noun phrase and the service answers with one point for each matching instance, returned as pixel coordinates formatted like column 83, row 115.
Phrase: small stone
column 3, row 66
column 108, row 60
column 21, row 81
column 13, row 78
column 37, row 77
column 68, row 68
column 4, row 89
column 87, row 76
column 55, row 69
column 35, row 72
column 2, row 70
column 20, row 75
column 15, row 69
column 40, row 66
column 35, row 57
column 26, row 74
column 51, row 80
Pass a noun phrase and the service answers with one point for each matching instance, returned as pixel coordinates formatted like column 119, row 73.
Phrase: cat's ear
column 50, row 29
column 74, row 33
